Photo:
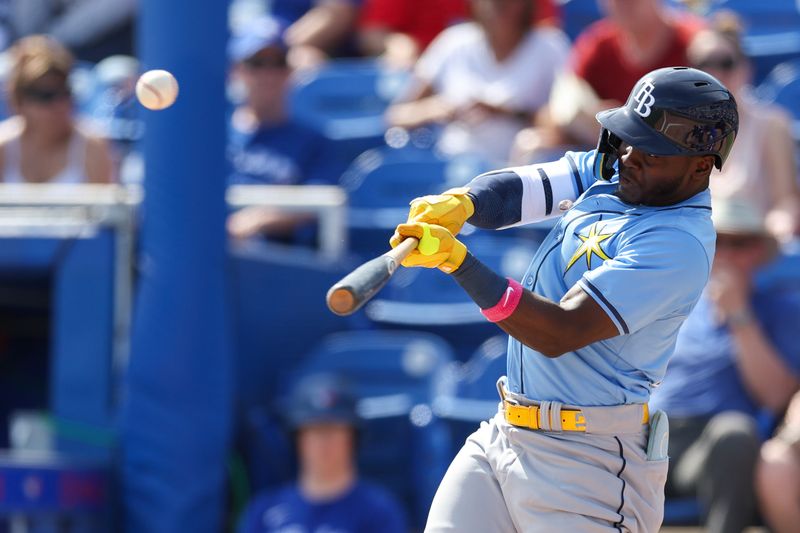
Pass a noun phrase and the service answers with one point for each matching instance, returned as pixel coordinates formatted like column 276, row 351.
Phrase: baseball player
column 594, row 320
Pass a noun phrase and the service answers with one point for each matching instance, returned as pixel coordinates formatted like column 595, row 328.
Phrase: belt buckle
column 576, row 423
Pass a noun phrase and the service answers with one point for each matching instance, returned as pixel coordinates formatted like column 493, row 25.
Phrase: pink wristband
column 507, row 304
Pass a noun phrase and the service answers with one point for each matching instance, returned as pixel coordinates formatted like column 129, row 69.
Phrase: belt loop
column 555, row 416
column 501, row 387
column 544, row 416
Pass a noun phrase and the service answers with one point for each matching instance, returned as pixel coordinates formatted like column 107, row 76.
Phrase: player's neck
column 326, row 486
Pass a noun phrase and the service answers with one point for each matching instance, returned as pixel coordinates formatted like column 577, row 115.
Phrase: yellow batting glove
column 437, row 247
column 450, row 209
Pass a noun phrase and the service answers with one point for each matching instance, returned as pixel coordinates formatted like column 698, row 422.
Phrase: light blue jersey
column 645, row 266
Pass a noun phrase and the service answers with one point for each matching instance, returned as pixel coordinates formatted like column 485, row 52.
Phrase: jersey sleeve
column 521, row 195
column 656, row 274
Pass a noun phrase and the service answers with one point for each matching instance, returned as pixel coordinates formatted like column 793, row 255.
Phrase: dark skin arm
column 554, row 329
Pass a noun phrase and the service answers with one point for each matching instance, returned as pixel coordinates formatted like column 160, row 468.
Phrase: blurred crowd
column 499, row 81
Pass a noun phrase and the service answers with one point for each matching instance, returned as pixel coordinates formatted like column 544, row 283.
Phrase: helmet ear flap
column 608, row 146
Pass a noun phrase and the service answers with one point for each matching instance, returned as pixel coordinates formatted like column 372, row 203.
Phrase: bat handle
column 402, row 250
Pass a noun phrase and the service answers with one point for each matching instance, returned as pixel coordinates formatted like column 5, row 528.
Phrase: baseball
column 156, row 89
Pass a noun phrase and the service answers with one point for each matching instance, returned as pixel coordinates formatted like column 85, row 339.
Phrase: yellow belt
column 527, row 416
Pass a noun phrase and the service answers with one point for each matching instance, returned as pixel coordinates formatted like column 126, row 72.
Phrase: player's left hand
column 437, row 247
column 450, row 209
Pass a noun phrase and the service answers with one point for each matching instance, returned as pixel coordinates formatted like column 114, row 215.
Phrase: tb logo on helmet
column 644, row 97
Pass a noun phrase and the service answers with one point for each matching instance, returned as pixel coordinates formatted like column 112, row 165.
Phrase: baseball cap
column 736, row 216
column 319, row 398
column 263, row 32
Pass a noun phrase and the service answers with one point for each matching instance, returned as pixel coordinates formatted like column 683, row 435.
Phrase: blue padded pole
column 177, row 414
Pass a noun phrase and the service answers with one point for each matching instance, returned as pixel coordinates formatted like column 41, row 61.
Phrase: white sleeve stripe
column 555, row 178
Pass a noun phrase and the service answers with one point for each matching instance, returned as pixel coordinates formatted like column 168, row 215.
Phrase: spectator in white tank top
column 42, row 143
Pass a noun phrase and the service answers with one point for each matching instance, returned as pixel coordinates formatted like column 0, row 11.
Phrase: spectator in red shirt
column 401, row 29
column 635, row 37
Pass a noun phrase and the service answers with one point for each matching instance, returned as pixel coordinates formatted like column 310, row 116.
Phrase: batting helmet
column 320, row 398
column 671, row 111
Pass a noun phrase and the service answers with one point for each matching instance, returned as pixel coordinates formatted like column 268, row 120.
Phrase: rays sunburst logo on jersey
column 590, row 245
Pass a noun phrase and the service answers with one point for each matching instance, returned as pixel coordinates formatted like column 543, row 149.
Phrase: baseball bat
column 354, row 290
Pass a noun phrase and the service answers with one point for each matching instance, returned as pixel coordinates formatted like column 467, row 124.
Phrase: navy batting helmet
column 671, row 111
column 320, row 398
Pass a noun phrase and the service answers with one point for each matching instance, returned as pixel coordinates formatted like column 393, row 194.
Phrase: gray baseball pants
column 507, row 478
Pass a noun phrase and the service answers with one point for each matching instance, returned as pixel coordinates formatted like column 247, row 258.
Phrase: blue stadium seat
column 396, row 375
column 577, row 14
column 472, row 396
column 428, row 300
column 345, row 101
column 772, row 31
column 381, row 182
column 682, row 511
column 782, row 87
column 384, row 363
column 266, row 449
column 278, row 296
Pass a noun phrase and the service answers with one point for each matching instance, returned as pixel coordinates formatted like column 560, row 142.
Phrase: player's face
column 325, row 447
column 648, row 179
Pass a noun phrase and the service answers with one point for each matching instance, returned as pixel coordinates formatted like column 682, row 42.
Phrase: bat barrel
column 355, row 289
column 341, row 300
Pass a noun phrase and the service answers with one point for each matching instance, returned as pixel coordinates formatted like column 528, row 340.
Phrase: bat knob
column 341, row 301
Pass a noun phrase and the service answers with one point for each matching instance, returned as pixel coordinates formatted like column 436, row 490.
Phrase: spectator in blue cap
column 328, row 495
column 265, row 146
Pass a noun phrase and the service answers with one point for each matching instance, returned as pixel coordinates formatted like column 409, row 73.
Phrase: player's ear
column 703, row 166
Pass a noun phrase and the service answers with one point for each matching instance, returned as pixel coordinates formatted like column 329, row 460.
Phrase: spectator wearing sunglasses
column 761, row 167
column 265, row 146
column 42, row 143
column 736, row 361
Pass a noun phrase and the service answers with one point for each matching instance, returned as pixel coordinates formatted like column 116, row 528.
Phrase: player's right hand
column 437, row 247
column 450, row 209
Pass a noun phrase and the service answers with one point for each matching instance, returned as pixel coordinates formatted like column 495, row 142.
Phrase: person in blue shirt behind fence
column 329, row 495
column 265, row 146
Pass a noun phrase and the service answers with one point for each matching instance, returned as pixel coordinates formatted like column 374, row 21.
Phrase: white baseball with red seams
column 156, row 89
